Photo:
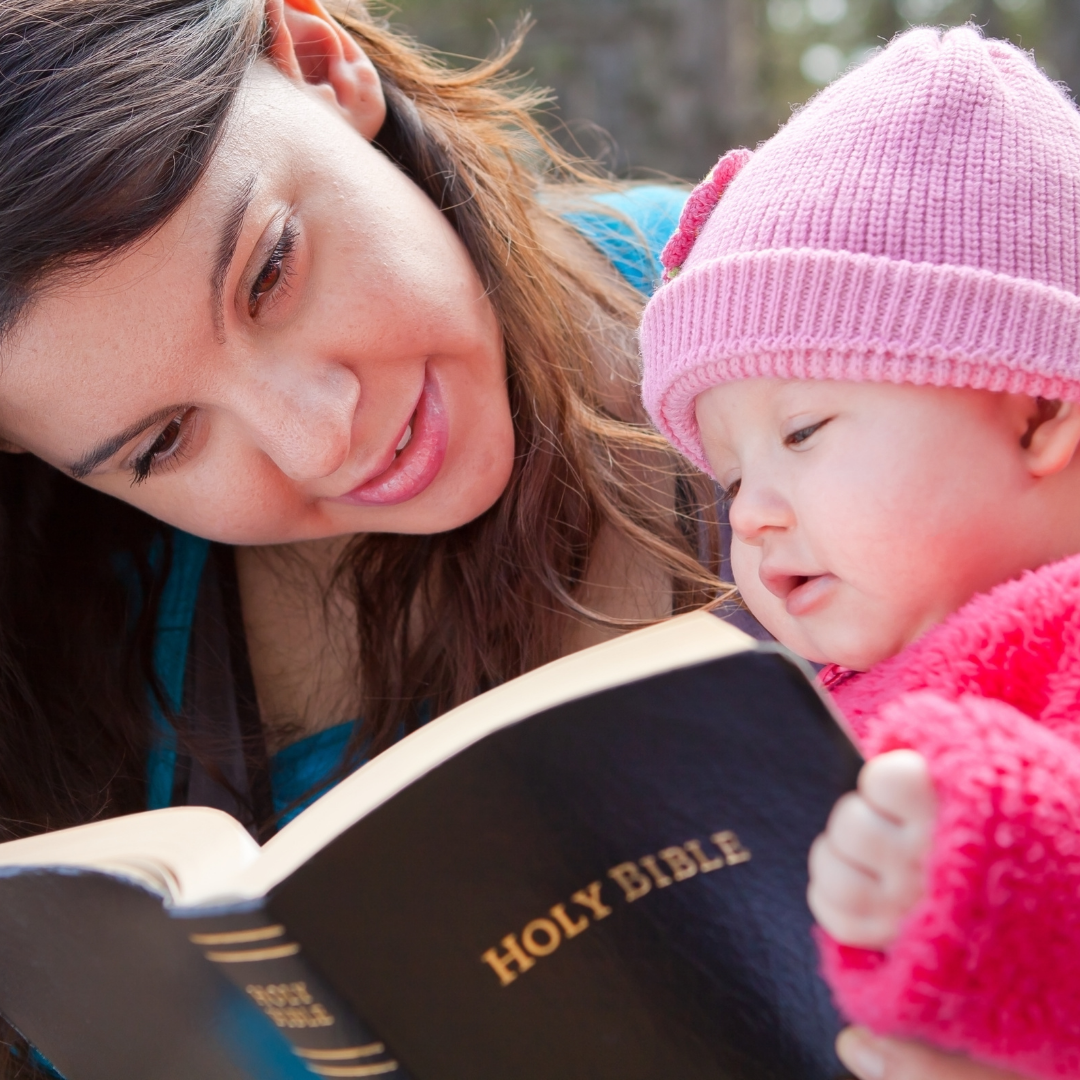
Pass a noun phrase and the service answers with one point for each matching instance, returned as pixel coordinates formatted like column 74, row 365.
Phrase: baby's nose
column 755, row 510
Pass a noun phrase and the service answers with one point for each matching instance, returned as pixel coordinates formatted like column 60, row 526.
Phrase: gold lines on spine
column 313, row 1059
column 344, row 1054
column 248, row 956
column 239, row 937
column 378, row 1069
column 254, row 936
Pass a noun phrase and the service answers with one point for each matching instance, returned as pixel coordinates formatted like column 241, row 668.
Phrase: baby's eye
column 727, row 494
column 800, row 436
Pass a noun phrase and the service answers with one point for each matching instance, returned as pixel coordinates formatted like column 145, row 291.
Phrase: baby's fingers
column 874, row 1058
column 836, row 883
column 863, row 836
column 848, row 901
column 898, row 785
column 866, row 869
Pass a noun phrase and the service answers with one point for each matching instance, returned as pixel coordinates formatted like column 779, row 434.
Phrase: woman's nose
column 303, row 419
column 756, row 510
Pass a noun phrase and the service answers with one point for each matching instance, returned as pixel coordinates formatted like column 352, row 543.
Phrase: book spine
column 257, row 954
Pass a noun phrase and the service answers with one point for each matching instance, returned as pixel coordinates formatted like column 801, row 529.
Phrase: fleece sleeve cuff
column 989, row 961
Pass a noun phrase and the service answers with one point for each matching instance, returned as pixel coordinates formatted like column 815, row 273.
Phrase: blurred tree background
column 676, row 82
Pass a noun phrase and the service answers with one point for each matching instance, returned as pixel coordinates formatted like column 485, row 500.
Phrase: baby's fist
column 867, row 868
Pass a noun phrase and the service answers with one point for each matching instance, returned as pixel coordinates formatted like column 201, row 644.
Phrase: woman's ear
column 1052, row 436
column 307, row 45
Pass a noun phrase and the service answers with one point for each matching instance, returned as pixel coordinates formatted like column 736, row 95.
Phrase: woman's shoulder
column 630, row 225
column 653, row 208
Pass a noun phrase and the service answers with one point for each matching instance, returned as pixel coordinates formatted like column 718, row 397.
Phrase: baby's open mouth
column 800, row 593
column 807, row 592
column 782, row 584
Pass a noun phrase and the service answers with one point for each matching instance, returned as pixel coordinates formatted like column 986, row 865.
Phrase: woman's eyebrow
column 230, row 236
column 105, row 450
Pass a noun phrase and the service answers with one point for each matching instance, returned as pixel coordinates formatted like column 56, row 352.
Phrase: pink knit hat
column 918, row 221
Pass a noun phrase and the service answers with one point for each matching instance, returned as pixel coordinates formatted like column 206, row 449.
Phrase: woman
column 281, row 282
column 305, row 299
column 285, row 284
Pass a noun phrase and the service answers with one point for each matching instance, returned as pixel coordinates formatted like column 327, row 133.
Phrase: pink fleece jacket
column 989, row 961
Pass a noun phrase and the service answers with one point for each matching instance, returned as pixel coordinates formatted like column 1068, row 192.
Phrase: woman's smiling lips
column 422, row 452
column 801, row 593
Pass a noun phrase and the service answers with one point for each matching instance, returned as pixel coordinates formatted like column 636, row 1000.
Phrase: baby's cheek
column 744, row 567
column 768, row 608
column 763, row 605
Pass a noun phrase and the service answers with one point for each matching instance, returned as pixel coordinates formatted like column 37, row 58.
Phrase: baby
column 870, row 337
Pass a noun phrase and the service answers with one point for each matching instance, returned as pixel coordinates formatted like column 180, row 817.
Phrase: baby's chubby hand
column 867, row 868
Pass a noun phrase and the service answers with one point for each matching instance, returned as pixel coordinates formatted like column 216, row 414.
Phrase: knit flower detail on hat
column 699, row 206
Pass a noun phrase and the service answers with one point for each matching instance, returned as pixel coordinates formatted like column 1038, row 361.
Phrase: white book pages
column 184, row 853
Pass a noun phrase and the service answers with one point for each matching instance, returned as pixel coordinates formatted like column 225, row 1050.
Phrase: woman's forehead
column 100, row 346
column 146, row 289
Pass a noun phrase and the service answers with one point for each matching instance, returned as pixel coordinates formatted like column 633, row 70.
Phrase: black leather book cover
column 613, row 888
column 108, row 987
column 646, row 847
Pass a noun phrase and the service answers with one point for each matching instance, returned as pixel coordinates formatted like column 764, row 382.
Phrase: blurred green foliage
column 673, row 83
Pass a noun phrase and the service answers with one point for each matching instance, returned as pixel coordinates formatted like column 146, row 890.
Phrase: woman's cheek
column 242, row 500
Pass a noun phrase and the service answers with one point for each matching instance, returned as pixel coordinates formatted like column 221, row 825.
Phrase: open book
column 595, row 870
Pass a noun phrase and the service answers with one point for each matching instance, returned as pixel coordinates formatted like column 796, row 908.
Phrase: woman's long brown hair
column 83, row 174
column 463, row 610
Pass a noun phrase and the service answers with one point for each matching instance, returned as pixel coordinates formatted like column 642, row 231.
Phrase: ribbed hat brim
column 822, row 314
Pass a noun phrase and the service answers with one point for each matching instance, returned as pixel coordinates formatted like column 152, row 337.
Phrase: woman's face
column 303, row 350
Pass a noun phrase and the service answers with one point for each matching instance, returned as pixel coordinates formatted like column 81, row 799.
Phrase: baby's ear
column 309, row 46
column 1052, row 435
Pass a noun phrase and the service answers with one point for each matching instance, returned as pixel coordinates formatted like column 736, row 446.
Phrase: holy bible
column 597, row 870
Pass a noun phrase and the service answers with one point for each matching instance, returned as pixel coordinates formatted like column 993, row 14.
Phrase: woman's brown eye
column 167, row 439
column 162, row 446
column 276, row 268
column 267, row 279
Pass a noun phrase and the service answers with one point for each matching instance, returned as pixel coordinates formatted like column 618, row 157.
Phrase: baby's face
column 863, row 513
